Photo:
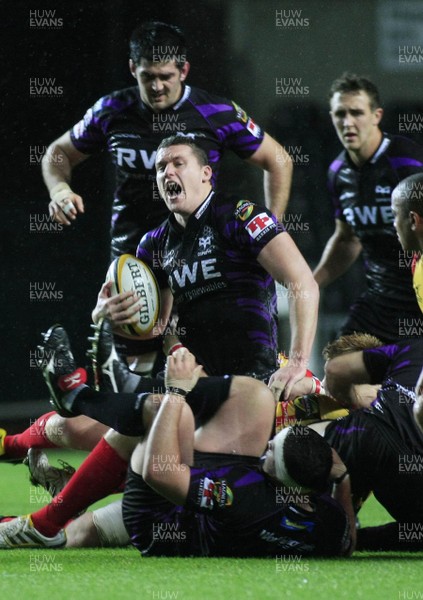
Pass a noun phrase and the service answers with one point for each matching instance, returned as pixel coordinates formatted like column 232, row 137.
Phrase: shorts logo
column 243, row 210
column 259, row 225
column 253, row 128
column 297, row 526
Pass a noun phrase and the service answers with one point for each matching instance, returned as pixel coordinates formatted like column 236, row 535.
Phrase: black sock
column 122, row 412
column 390, row 537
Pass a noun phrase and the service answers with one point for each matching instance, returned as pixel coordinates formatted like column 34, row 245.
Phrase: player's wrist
column 60, row 191
column 174, row 348
column 340, row 479
column 176, row 391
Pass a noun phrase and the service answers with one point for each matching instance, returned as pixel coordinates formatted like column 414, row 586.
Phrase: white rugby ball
column 128, row 273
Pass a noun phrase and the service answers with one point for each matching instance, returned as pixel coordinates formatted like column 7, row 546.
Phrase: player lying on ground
column 382, row 446
column 107, row 463
column 253, row 416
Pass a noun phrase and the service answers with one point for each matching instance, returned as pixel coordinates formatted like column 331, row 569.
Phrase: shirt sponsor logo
column 369, row 215
column 253, row 128
column 259, row 225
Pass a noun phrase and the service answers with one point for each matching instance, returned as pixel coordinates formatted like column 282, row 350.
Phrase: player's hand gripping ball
column 128, row 273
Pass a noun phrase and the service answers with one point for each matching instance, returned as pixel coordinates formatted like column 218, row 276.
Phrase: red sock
column 16, row 446
column 101, row 473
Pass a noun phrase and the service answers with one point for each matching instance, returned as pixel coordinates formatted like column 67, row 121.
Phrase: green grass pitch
column 115, row 574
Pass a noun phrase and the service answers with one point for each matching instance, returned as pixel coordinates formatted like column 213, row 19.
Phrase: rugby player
column 240, row 512
column 219, row 257
column 381, row 445
column 361, row 180
column 130, row 124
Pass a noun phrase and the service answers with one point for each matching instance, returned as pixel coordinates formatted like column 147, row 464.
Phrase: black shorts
column 370, row 315
column 156, row 526
column 159, row 528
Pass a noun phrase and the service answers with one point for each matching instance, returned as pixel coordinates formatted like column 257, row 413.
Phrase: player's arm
column 277, row 166
column 282, row 259
column 60, row 159
column 166, row 437
column 342, row 373
column 341, row 251
column 341, row 492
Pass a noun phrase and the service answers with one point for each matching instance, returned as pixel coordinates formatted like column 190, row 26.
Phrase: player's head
column 300, row 458
column 407, row 208
column 158, row 63
column 353, row 342
column 183, row 174
column 356, row 113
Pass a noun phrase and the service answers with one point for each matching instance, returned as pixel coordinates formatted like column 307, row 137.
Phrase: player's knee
column 82, row 533
column 56, row 431
column 122, row 444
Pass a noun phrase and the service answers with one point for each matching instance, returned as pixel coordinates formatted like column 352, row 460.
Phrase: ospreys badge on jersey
column 206, row 243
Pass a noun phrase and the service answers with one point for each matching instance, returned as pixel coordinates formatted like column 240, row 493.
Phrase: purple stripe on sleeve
column 404, row 161
column 211, row 109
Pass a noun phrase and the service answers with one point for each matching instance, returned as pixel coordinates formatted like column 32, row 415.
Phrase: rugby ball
column 128, row 273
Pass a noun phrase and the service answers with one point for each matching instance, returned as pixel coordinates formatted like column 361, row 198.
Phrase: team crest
column 206, row 243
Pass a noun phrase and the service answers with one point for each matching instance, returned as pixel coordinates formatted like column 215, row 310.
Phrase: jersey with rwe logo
column 362, row 198
column 130, row 131
column 226, row 300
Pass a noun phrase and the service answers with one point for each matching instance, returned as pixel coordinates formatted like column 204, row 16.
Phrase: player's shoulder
column 155, row 235
column 201, row 96
column 403, row 146
column 337, row 164
column 117, row 101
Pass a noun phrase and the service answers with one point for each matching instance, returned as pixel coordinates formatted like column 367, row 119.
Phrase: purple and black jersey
column 130, row 131
column 226, row 300
column 362, row 198
column 232, row 510
column 382, row 445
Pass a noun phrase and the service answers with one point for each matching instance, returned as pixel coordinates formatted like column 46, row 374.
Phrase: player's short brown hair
column 350, row 343
column 350, row 83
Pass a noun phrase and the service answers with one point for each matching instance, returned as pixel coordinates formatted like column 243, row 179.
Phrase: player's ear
column 207, row 173
column 416, row 220
column 184, row 71
column 132, row 67
column 378, row 113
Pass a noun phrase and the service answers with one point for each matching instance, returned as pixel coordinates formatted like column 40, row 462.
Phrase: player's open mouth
column 172, row 190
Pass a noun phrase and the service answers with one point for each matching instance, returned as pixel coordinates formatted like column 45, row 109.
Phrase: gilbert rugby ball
column 128, row 273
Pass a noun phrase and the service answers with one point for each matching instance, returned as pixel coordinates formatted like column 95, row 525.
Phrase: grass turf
column 122, row 573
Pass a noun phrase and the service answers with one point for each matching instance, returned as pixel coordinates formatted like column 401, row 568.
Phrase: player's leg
column 243, row 423
column 103, row 527
column 102, row 473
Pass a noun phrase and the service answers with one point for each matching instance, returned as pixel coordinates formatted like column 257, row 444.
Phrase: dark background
column 87, row 57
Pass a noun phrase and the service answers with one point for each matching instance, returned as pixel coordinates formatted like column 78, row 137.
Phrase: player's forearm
column 342, row 493
column 55, row 167
column 337, row 258
column 303, row 311
column 342, row 376
column 162, row 463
